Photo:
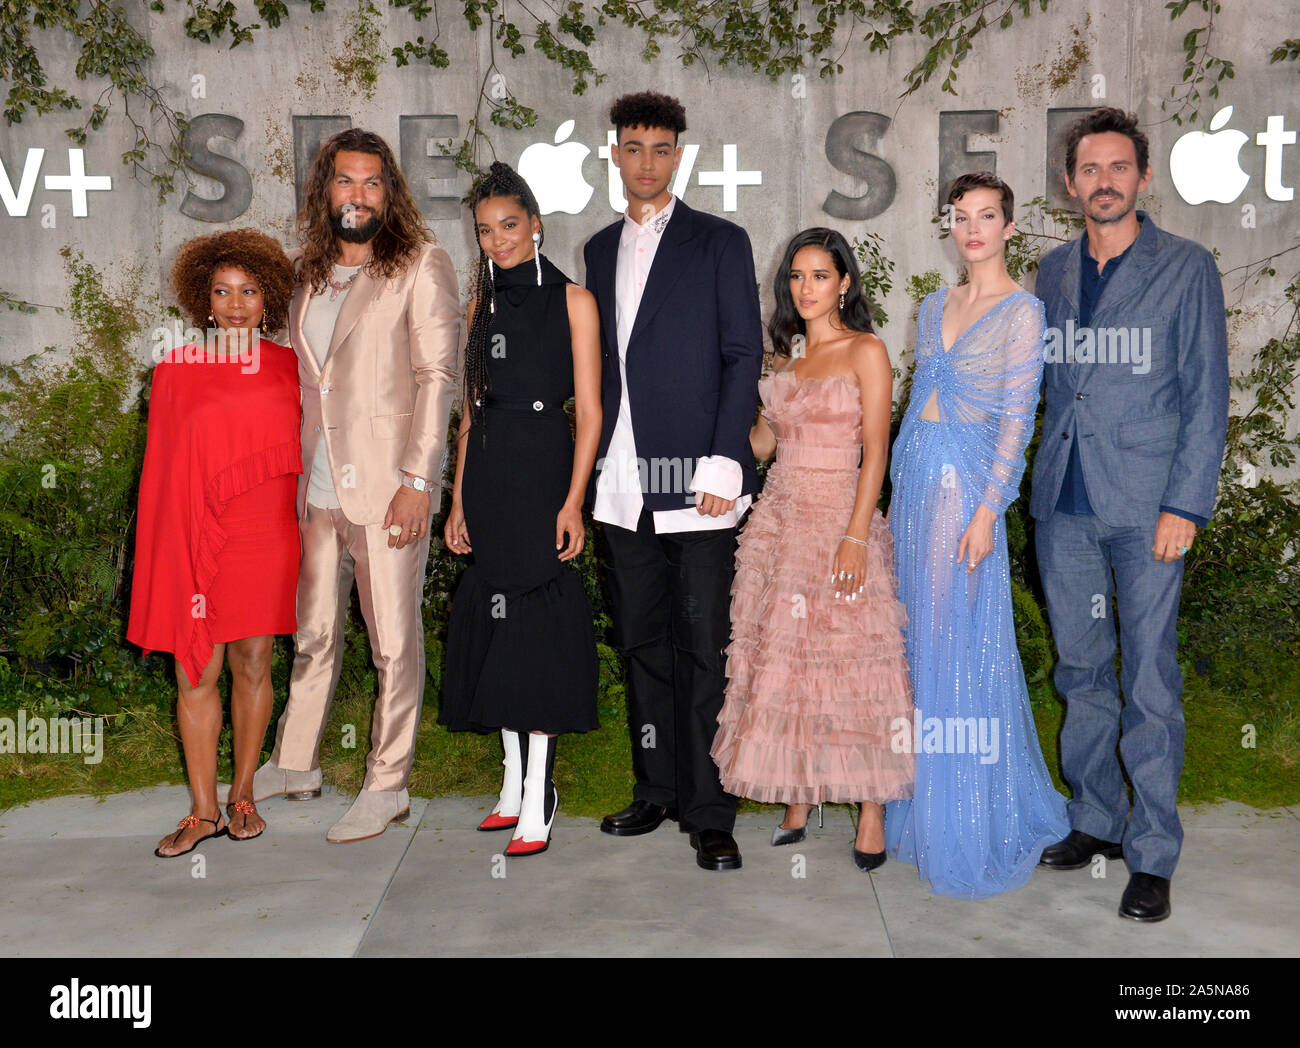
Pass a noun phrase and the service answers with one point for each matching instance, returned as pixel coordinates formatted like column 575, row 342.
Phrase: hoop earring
column 537, row 256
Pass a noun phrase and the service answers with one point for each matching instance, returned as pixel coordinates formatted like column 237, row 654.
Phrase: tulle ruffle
column 816, row 685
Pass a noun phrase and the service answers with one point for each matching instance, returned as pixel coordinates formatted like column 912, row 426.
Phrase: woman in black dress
column 521, row 654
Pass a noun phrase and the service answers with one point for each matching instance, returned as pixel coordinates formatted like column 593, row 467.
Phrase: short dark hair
column 963, row 184
column 1098, row 122
column 648, row 109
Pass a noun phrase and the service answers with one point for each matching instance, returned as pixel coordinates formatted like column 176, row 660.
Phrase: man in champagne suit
column 375, row 323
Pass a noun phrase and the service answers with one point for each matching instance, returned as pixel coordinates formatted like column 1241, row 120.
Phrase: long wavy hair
column 398, row 239
column 786, row 322
column 502, row 180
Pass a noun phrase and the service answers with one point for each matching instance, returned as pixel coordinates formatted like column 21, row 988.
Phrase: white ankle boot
column 505, row 816
column 540, row 803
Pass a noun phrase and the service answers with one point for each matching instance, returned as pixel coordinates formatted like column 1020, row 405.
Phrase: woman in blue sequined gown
column 983, row 806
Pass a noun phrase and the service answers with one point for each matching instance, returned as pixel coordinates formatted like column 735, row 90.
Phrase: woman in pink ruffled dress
column 818, row 680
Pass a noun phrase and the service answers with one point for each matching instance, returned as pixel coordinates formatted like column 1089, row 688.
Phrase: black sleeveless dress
column 521, row 652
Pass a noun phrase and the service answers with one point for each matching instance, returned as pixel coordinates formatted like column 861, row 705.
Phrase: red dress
column 217, row 547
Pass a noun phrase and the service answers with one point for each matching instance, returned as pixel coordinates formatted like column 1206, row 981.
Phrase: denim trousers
column 1091, row 571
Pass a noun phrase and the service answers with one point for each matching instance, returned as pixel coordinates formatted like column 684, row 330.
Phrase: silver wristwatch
column 419, row 483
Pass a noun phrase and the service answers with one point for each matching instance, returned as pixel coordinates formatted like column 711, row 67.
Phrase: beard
column 1120, row 209
column 353, row 233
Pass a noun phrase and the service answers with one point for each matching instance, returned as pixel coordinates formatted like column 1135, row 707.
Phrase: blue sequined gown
column 983, row 806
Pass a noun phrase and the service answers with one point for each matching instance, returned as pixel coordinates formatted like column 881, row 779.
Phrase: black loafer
column 637, row 818
column 1077, row 850
column 1146, row 898
column 715, row 850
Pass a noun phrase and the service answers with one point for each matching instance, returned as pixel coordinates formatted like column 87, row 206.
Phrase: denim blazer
column 1144, row 390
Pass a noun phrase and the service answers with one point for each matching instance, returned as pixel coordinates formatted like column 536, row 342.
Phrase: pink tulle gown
column 816, row 686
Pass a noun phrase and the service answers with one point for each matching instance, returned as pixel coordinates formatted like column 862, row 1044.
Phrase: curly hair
column 251, row 250
column 1098, row 122
column 648, row 109
column 398, row 239
column 502, row 180
column 963, row 184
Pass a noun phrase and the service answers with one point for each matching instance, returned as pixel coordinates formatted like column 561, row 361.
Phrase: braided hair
column 501, row 181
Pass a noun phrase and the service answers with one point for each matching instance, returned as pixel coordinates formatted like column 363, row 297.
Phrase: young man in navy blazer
column 1127, row 470
column 681, row 348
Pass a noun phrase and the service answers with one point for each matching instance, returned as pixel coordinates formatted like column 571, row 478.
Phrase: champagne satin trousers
column 390, row 585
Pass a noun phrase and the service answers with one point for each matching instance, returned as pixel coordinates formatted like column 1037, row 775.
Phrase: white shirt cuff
column 717, row 475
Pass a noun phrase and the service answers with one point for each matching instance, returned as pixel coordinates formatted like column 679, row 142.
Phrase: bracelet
column 860, row 542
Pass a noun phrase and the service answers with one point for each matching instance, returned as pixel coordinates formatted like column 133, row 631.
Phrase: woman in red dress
column 217, row 549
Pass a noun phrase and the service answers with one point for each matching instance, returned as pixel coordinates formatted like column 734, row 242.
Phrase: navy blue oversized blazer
column 696, row 350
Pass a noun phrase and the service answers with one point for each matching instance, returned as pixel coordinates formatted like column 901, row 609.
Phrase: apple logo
column 554, row 173
column 1204, row 166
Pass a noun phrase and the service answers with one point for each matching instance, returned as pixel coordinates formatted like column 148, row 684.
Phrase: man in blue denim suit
column 1128, row 466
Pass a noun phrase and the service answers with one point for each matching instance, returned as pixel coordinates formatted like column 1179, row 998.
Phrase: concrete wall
column 848, row 140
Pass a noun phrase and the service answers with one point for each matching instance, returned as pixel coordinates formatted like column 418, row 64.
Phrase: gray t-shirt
column 318, row 330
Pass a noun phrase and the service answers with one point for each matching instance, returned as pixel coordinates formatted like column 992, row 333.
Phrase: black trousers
column 671, row 598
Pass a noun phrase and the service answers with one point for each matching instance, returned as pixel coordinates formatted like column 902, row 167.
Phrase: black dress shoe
column 716, row 850
column 637, row 818
column 1146, row 898
column 1077, row 850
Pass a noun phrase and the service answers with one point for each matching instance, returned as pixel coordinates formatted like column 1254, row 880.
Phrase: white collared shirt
column 619, row 497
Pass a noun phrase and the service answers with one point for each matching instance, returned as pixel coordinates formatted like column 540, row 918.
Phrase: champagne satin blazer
column 382, row 400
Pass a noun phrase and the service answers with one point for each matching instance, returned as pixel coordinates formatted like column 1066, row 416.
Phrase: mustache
column 1106, row 191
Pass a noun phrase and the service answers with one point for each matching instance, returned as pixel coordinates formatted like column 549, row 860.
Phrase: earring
column 841, row 300
column 492, row 299
column 537, row 256
column 210, row 320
